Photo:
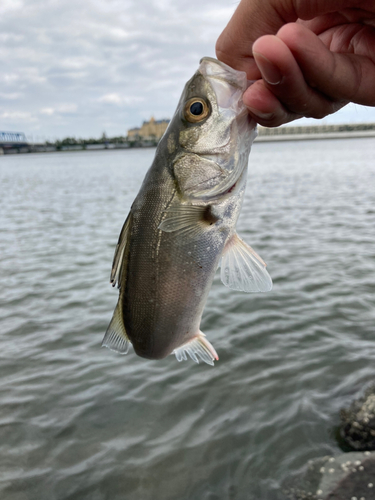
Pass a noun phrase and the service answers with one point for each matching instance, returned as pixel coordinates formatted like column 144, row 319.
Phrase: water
column 80, row 422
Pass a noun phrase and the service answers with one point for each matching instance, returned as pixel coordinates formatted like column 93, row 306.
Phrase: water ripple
column 79, row 422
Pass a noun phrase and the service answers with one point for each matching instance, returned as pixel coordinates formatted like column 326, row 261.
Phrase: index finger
column 255, row 18
column 251, row 20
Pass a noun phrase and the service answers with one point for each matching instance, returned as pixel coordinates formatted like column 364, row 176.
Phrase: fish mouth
column 213, row 68
column 228, row 85
column 228, row 69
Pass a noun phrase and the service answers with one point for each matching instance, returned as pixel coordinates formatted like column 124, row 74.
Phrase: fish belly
column 168, row 279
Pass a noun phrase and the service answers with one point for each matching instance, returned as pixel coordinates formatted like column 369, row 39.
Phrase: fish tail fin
column 199, row 347
column 115, row 337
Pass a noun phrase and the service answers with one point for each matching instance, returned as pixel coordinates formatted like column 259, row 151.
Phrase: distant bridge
column 12, row 137
column 13, row 142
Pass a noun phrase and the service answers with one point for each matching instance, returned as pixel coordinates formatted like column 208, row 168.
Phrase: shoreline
column 32, row 149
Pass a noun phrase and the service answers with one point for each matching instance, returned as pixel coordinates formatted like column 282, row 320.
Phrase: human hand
column 308, row 57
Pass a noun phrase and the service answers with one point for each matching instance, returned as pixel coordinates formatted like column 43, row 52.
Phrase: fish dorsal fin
column 115, row 337
column 119, row 253
column 197, row 348
column 242, row 268
column 188, row 220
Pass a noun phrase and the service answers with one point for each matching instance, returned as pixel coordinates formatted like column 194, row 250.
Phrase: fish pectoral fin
column 119, row 253
column 190, row 220
column 242, row 268
column 199, row 347
column 115, row 337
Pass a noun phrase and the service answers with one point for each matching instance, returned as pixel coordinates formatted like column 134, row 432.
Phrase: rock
column 350, row 476
column 358, row 422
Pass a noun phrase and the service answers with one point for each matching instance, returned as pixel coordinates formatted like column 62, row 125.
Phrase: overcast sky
column 82, row 67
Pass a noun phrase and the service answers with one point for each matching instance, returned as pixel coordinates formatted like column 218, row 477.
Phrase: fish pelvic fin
column 115, row 337
column 242, row 268
column 198, row 348
column 117, row 264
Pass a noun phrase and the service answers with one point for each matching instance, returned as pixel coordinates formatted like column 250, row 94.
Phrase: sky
column 79, row 68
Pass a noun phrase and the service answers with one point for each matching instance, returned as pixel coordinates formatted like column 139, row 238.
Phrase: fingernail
column 256, row 112
column 270, row 73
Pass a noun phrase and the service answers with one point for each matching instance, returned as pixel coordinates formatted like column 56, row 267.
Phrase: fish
column 182, row 224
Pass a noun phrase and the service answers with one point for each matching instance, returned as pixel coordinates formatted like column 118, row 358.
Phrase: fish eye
column 196, row 110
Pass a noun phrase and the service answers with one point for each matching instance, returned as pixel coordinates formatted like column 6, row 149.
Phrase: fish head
column 211, row 132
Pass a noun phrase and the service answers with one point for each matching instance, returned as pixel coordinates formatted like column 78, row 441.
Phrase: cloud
column 7, row 6
column 119, row 100
column 68, row 108
column 47, row 111
column 79, row 66
column 11, row 95
column 17, row 116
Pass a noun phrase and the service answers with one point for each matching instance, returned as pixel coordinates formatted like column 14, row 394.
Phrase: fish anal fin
column 190, row 220
column 197, row 348
column 242, row 268
column 119, row 253
column 115, row 337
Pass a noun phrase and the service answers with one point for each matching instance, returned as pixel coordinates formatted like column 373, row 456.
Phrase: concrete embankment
column 316, row 136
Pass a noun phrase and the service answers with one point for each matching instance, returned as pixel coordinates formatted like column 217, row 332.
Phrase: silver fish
column 183, row 223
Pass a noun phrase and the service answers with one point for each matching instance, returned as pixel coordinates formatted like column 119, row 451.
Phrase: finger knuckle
column 223, row 47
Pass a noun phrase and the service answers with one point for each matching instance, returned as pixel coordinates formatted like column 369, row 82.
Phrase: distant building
column 133, row 133
column 152, row 130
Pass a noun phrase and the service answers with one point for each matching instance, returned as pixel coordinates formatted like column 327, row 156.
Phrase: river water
column 81, row 422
